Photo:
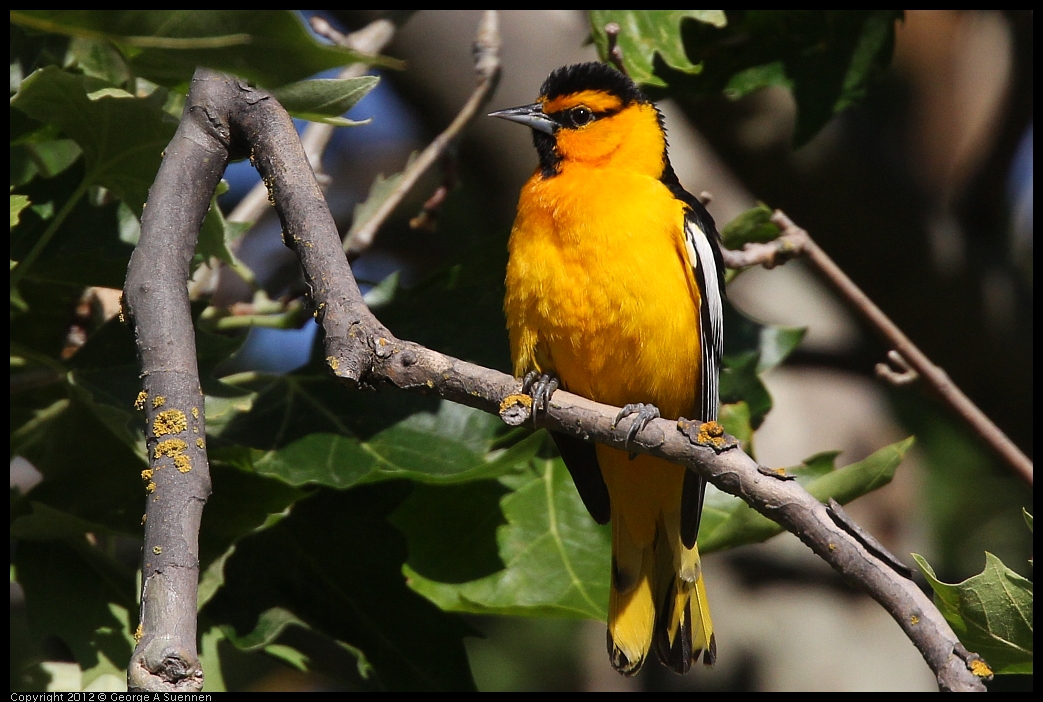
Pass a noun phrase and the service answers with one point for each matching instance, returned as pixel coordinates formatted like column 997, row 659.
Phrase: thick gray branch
column 177, row 482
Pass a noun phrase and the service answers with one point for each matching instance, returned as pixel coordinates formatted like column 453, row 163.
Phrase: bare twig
column 789, row 244
column 369, row 41
column 428, row 216
column 795, row 240
column 903, row 376
column 487, row 70
column 615, row 52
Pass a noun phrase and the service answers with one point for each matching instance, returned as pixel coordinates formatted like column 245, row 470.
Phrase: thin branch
column 410, row 366
column 615, row 52
column 487, row 71
column 368, row 41
column 795, row 241
column 790, row 244
column 904, row 375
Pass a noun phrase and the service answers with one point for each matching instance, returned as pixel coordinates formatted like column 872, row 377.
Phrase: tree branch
column 911, row 361
column 487, row 72
column 409, row 366
column 155, row 300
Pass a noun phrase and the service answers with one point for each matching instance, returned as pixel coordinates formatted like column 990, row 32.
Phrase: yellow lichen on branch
column 170, row 447
column 169, row 422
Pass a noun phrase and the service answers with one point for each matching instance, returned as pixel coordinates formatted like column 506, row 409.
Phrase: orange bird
column 615, row 292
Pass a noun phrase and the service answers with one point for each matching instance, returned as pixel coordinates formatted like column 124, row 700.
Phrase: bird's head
column 591, row 114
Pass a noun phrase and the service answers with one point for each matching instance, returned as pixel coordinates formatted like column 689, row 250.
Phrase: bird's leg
column 645, row 414
column 540, row 387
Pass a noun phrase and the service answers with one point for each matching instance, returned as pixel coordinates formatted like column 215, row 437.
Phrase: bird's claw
column 645, row 414
column 540, row 387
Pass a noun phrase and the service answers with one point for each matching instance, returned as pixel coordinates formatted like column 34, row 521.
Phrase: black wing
column 704, row 255
column 582, row 461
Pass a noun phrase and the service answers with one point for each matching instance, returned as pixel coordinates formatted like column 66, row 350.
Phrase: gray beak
column 530, row 115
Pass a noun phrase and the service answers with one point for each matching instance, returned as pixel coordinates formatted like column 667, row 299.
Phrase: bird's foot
column 645, row 414
column 540, row 387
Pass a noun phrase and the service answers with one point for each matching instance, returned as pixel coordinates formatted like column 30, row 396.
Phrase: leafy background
column 360, row 541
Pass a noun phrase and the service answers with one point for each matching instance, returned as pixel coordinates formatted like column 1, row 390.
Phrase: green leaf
column 37, row 149
column 755, row 78
column 87, row 608
column 83, row 249
column 827, row 58
column 215, row 236
column 644, row 34
column 18, row 203
column 772, row 344
column 752, row 226
column 451, row 529
column 88, row 473
column 122, row 137
column 270, row 623
column 383, row 293
column 335, row 565
column 735, row 418
column 379, row 191
column 105, row 378
column 829, row 78
column 556, row 559
column 47, row 158
column 740, row 382
column 990, row 612
column 729, row 522
column 210, row 658
column 212, row 578
column 98, row 59
column 44, row 523
column 325, row 100
column 276, row 625
column 241, row 504
column 272, row 48
column 307, row 430
column 966, row 520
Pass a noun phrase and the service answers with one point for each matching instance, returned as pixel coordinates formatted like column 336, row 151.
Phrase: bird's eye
column 580, row 116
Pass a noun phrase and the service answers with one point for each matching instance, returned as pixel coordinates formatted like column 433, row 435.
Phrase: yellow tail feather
column 631, row 606
column 657, row 590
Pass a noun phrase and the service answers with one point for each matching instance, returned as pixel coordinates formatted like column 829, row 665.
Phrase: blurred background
column 922, row 194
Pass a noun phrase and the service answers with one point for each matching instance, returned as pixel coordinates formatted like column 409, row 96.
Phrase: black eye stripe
column 564, row 117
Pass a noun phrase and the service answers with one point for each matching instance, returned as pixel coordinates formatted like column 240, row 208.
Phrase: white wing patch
column 711, row 315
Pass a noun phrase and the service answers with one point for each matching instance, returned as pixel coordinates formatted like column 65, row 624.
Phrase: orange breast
column 600, row 291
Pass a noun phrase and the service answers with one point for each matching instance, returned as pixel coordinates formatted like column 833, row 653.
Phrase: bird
column 614, row 291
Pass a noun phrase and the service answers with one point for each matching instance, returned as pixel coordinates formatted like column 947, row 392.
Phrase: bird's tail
column 657, row 591
column 684, row 629
column 631, row 603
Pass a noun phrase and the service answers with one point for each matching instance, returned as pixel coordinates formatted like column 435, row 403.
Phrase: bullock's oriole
column 614, row 290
